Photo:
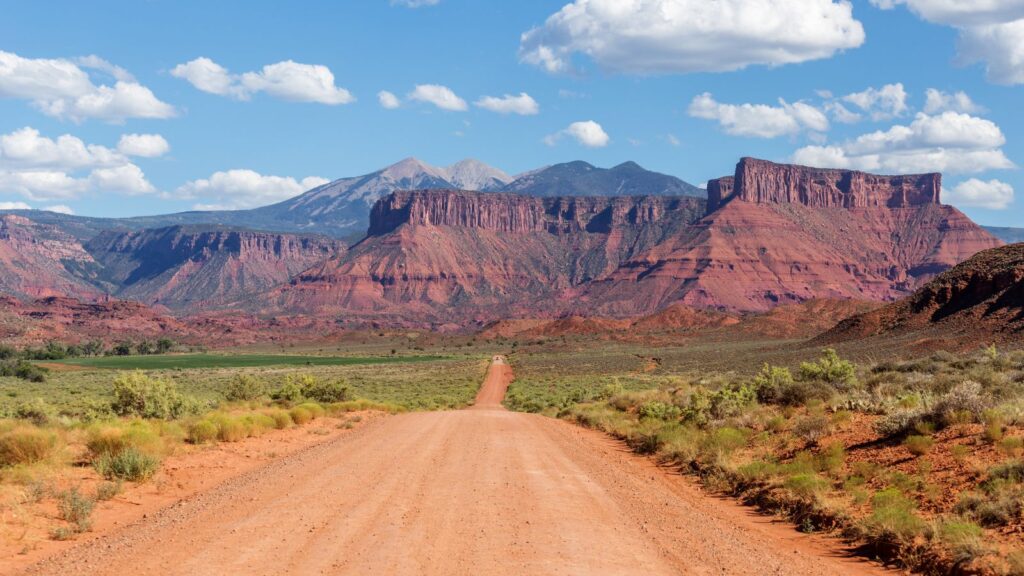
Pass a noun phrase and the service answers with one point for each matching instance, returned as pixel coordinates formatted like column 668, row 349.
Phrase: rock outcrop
column 780, row 235
column 523, row 214
column 185, row 268
column 763, row 182
column 977, row 302
column 434, row 257
column 39, row 260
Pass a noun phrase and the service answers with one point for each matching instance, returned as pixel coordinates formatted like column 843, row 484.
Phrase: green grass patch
column 188, row 361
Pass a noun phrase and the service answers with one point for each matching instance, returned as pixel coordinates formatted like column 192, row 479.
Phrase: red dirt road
column 470, row 492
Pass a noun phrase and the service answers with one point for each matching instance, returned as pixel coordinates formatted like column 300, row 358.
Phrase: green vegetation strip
column 185, row 361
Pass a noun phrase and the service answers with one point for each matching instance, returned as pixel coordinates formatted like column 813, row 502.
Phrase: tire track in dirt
column 480, row 491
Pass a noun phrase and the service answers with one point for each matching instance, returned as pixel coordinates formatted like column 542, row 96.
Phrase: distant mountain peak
column 472, row 174
column 579, row 178
column 412, row 168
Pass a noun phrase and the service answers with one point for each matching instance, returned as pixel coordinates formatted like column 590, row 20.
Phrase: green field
column 189, row 361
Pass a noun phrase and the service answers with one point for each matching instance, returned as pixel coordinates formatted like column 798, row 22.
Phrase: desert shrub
column 244, row 387
column 19, row 368
column 962, row 538
column 723, row 441
column 136, row 394
column 36, row 411
column 681, row 443
column 290, row 392
column 7, row 352
column 128, row 464
column 831, row 369
column 897, row 423
column 316, row 410
column 831, row 458
column 110, row 439
column 966, row 397
column 281, row 418
column 813, row 427
column 202, row 431
column 919, row 445
column 800, row 393
column 1011, row 446
column 75, row 508
column 757, row 470
column 26, row 445
column 770, row 382
column 999, row 505
column 229, row 428
column 995, row 426
column 327, row 392
column 894, row 517
column 806, row 486
column 658, row 410
column 300, row 415
column 359, row 405
column 257, row 423
column 732, row 400
column 107, row 490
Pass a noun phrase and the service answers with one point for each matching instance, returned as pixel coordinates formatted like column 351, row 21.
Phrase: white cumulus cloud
column 938, row 101
column 991, row 31
column 759, row 120
column 440, row 96
column 523, row 104
column 946, row 142
column 588, row 133
column 681, row 36
column 883, row 103
column 287, row 80
column 62, row 89
column 388, row 100
column 41, row 168
column 974, row 193
column 234, row 189
column 14, row 206
column 143, row 145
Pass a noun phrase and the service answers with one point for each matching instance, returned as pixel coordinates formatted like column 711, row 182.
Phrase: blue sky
column 680, row 86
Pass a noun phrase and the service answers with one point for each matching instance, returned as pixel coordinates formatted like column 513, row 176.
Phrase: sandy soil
column 481, row 491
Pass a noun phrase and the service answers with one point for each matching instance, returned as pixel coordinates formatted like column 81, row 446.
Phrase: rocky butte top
column 763, row 182
column 514, row 213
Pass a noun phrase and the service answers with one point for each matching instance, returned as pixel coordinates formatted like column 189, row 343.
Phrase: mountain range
column 571, row 240
column 341, row 208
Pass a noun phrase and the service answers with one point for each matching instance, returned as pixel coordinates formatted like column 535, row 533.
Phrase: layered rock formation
column 183, row 268
column 453, row 256
column 977, row 302
column 763, row 182
column 772, row 235
column 780, row 234
column 38, row 260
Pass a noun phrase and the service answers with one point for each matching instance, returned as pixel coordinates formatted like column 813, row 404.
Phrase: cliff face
column 771, row 235
column 763, row 182
column 523, row 214
column 453, row 256
column 38, row 260
column 182, row 267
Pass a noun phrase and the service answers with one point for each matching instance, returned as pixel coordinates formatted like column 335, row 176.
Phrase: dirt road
column 480, row 491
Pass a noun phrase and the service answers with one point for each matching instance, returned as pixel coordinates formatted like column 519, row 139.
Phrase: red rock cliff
column 763, row 182
column 522, row 214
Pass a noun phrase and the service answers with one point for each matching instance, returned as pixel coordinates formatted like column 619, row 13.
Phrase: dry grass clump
column 26, row 445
